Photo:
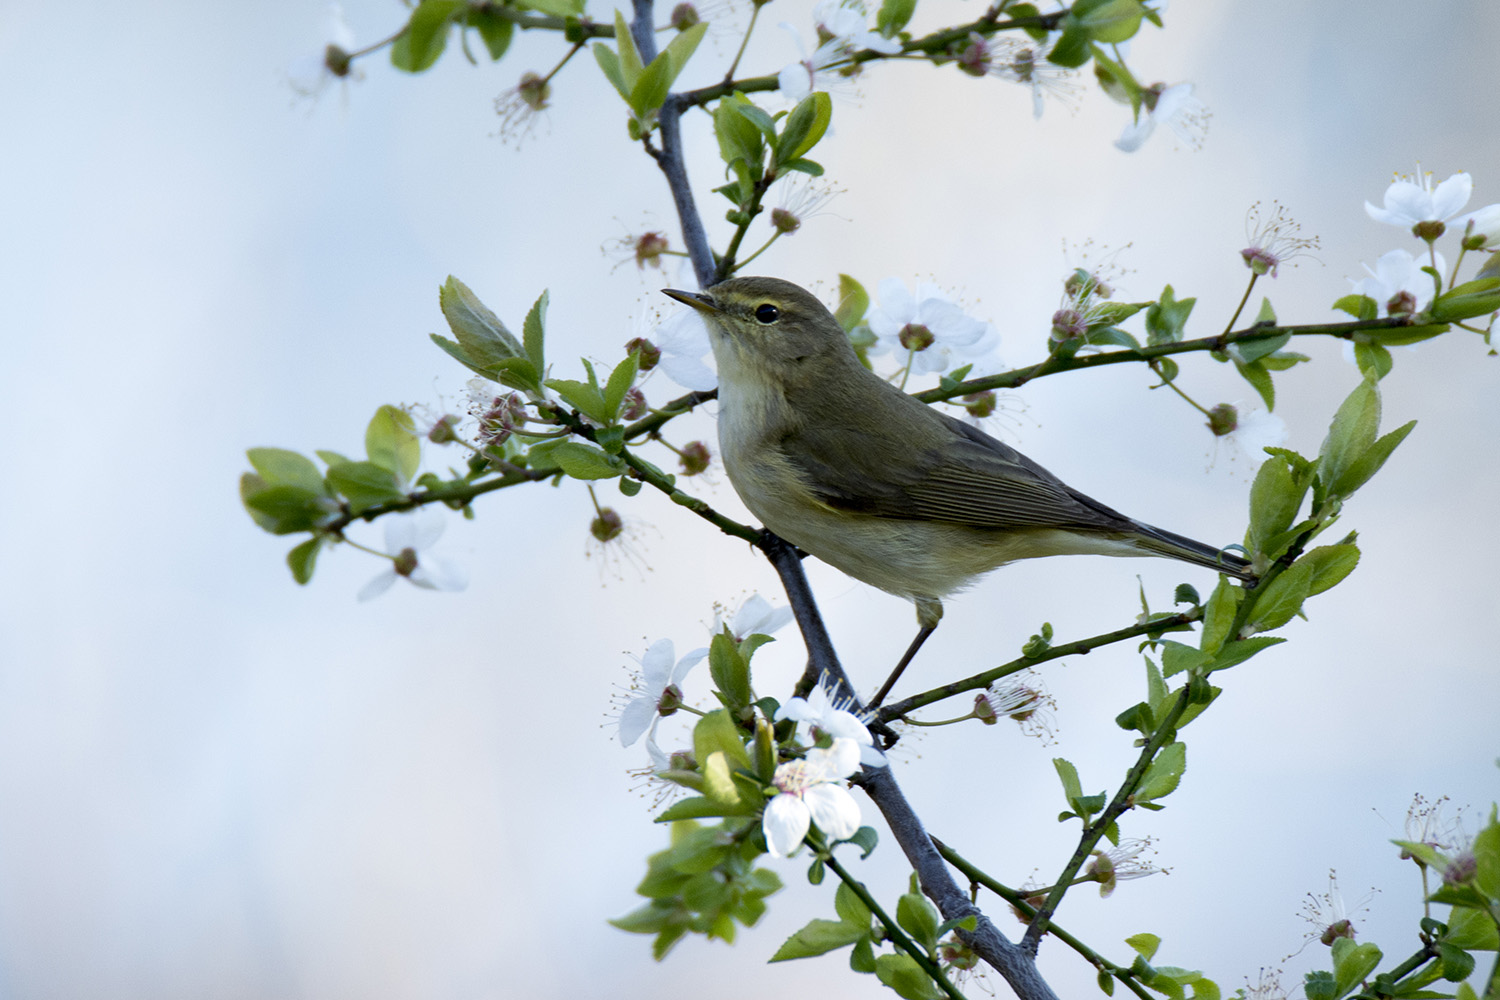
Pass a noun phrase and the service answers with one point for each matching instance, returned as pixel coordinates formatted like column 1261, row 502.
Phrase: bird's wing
column 950, row 472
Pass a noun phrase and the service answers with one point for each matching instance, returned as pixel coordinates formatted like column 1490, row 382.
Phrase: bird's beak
column 697, row 300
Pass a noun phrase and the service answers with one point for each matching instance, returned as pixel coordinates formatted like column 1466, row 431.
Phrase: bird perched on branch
column 849, row 468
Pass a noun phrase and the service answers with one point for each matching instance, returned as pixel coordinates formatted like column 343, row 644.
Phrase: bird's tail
column 1165, row 543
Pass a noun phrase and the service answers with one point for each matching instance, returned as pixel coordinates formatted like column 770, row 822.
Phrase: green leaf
column 1275, row 498
column 485, row 340
column 1361, row 307
column 1472, row 298
column 850, row 908
column 865, row 838
column 534, row 333
column 804, row 126
column 1372, row 358
column 854, row 302
column 1074, row 48
column 426, row 35
column 582, row 396
column 1350, row 435
column 364, row 484
column 1282, row 599
column 1254, row 350
column 391, row 442
column 1352, row 963
column 283, row 510
column 1330, row 564
column 630, row 57
column 681, row 48
column 893, row 16
column 1218, row 616
column 1145, row 945
column 1072, row 787
column 1109, row 21
column 557, row 8
column 619, row 383
column 653, row 85
column 818, row 938
column 1163, row 774
column 303, row 558
column 584, row 461
column 717, row 733
column 1472, row 929
column 919, row 918
column 1166, row 318
column 496, row 32
column 610, row 64
column 1235, row 653
column 902, row 973
column 1370, row 462
column 1260, row 381
column 1487, row 858
column 1457, row 963
column 1177, row 657
column 279, row 467
column 730, row 670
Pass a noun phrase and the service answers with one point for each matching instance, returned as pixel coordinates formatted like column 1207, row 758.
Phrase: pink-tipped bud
column 650, row 354
column 1223, row 419
column 784, row 222
column 695, row 458
column 684, row 16
column 634, row 405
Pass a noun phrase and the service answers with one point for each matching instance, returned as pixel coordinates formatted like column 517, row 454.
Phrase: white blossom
column 825, row 714
column 661, row 672
column 1175, row 107
column 927, row 330
column 408, row 536
column 811, row 790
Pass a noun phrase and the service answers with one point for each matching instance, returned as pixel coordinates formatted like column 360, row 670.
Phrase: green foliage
column 822, row 936
column 1166, row 318
column 705, row 883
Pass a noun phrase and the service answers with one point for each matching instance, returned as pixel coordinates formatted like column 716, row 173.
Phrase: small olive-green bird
column 842, row 464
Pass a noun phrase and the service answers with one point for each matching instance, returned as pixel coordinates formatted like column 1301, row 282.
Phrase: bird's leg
column 929, row 613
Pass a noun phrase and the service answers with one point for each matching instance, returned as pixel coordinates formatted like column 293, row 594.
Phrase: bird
column 893, row 492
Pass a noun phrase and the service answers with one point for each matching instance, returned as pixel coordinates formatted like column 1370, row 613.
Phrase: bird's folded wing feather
column 951, row 472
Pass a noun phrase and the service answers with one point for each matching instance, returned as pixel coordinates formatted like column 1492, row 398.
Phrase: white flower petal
column 1136, row 133
column 437, row 573
column 378, row 585
column 1451, row 196
column 785, row 824
column 833, row 809
column 636, row 717
column 688, row 662
column 656, row 667
column 690, row 373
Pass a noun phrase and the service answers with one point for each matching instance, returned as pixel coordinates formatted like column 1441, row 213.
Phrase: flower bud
column 1223, row 419
column 607, row 526
column 670, row 701
column 336, row 61
column 534, row 91
column 984, row 711
column 1338, row 929
column 634, row 405
column 1067, row 324
column 1429, row 229
column 1403, row 303
column 650, row 353
column 684, row 16
column 444, row 431
column 975, row 57
column 695, row 458
column 785, row 222
column 1461, row 869
column 980, row 404
column 406, row 562
column 916, row 337
column 647, row 249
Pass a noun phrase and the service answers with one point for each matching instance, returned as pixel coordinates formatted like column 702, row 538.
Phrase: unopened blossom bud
column 984, row 712
column 1461, row 869
column 443, row 432
column 980, row 404
column 670, row 701
column 684, row 16
column 633, row 407
column 1067, row 324
column 1403, row 303
column 682, row 760
column 1338, row 929
column 975, row 57
column 1429, row 229
column 650, row 354
column 695, row 458
column 406, row 562
column 534, row 91
column 1082, row 284
column 337, row 61
column 1223, row 419
column 606, row 527
column 785, row 222
column 916, row 337
column 647, row 249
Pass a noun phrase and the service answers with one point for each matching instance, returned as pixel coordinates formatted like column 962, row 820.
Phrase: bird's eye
column 767, row 313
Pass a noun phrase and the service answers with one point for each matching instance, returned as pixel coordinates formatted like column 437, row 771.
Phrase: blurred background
column 216, row 783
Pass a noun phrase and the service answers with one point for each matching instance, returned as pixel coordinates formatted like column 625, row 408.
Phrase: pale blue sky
column 215, row 783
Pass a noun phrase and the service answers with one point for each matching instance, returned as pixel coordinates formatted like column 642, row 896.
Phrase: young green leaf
column 303, row 558
column 495, row 31
column 391, row 442
column 1350, row 435
column 584, row 461
column 364, row 484
column 279, row 467
column 426, row 35
column 534, row 334
column 804, row 127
